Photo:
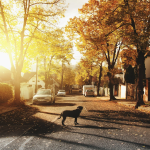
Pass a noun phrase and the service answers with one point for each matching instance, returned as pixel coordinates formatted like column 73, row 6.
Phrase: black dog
column 71, row 113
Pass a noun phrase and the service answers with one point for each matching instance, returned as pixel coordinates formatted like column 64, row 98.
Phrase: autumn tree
column 128, row 56
column 92, row 30
column 49, row 52
column 65, row 55
column 69, row 76
column 92, row 64
column 134, row 19
column 18, row 23
column 87, row 70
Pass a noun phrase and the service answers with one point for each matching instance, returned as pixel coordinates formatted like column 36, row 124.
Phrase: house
column 120, row 75
column 28, row 84
column 131, row 88
column 30, row 78
column 5, row 75
column 146, row 96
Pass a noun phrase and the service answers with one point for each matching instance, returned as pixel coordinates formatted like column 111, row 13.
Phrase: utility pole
column 36, row 74
column 62, row 75
column 45, row 73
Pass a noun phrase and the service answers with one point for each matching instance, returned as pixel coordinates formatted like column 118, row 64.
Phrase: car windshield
column 89, row 90
column 61, row 90
column 44, row 92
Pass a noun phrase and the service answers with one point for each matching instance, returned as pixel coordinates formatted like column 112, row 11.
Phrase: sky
column 71, row 11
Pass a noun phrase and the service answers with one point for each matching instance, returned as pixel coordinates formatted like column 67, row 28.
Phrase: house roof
column 5, row 74
column 27, row 76
column 3, row 69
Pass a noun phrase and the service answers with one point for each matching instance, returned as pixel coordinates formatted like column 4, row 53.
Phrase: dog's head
column 80, row 107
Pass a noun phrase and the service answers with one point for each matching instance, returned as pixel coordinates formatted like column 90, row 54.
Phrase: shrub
column 6, row 92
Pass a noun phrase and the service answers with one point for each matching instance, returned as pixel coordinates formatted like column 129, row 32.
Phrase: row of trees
column 28, row 30
column 105, row 28
column 54, row 56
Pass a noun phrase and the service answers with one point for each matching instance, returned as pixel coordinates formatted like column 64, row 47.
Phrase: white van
column 88, row 87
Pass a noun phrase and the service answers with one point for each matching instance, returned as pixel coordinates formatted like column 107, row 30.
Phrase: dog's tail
column 57, row 118
column 60, row 116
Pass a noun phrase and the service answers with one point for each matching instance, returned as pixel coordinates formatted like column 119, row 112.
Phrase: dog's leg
column 64, row 118
column 75, row 121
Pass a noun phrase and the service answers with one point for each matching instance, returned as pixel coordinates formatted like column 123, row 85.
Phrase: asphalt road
column 103, row 125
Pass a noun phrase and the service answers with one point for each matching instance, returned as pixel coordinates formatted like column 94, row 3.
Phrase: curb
column 7, row 109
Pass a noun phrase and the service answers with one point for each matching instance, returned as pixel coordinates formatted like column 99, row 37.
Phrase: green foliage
column 6, row 92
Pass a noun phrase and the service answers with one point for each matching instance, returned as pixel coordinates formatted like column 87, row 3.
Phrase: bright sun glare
column 4, row 60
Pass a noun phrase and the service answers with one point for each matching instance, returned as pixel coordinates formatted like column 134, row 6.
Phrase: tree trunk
column 46, row 80
column 17, row 77
column 140, row 79
column 62, row 77
column 99, row 82
column 111, row 87
column 111, row 90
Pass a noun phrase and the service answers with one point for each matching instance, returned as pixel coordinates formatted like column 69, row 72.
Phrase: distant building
column 146, row 95
column 5, row 75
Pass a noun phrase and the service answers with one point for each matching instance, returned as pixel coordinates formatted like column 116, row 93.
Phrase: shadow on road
column 95, row 127
column 41, row 128
column 24, row 117
column 119, row 117
column 56, row 104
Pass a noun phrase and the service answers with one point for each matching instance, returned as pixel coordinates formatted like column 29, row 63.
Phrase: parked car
column 89, row 93
column 61, row 93
column 44, row 96
column 80, row 90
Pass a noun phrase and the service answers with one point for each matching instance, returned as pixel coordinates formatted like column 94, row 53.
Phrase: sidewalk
column 129, row 103
column 4, row 109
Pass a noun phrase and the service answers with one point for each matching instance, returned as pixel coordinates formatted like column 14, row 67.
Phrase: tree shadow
column 124, row 100
column 23, row 119
column 56, row 104
column 134, row 118
column 96, row 127
column 40, row 128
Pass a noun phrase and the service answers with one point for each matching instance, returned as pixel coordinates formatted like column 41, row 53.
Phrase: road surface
column 103, row 125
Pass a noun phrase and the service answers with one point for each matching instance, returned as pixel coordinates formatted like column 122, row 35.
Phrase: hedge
column 6, row 92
